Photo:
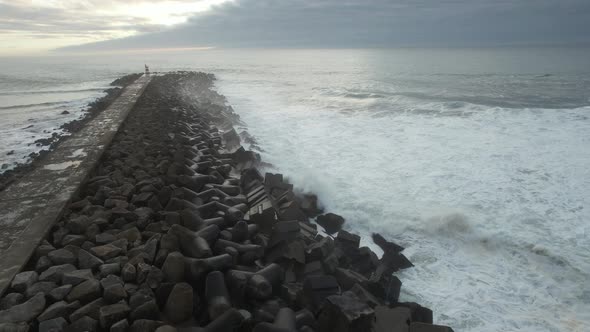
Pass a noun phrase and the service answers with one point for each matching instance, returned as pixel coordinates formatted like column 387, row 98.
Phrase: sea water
column 475, row 160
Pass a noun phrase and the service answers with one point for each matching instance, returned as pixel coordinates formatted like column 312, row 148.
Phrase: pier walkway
column 32, row 205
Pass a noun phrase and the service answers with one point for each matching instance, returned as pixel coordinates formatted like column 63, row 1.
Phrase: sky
column 104, row 25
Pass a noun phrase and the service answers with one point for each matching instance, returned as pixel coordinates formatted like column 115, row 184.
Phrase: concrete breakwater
column 176, row 229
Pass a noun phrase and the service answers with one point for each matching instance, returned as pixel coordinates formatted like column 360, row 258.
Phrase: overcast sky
column 27, row 26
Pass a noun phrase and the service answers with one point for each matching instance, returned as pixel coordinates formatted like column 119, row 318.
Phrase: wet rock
column 74, row 240
column 173, row 268
column 53, row 325
column 106, row 251
column 385, row 245
column 104, row 238
column 114, row 293
column 147, row 310
column 331, row 222
column 82, row 324
column 43, row 287
column 24, row 312
column 348, row 242
column 10, row 300
column 14, row 327
column 24, row 280
column 391, row 319
column 145, row 325
column 228, row 321
column 142, row 272
column 216, row 293
column 87, row 260
column 140, row 297
column 59, row 309
column 345, row 313
column 77, row 276
column 90, row 309
column 309, row 205
column 78, row 225
column 110, row 314
column 154, row 277
column 284, row 322
column 43, row 264
column 320, row 250
column 55, row 273
column 108, row 269
column 128, row 273
column 284, row 231
column 347, row 278
column 166, row 328
column 179, row 306
column 366, row 296
column 317, row 288
column 419, row 313
column 191, row 244
column 120, row 326
column 85, row 292
column 110, row 280
column 59, row 293
column 130, row 235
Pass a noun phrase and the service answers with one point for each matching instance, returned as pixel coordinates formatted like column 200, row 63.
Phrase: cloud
column 305, row 23
column 70, row 22
column 373, row 23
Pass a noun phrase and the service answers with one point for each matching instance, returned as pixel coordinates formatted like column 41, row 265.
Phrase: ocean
column 475, row 160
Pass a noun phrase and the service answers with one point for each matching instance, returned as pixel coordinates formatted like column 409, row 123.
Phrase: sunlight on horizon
column 97, row 21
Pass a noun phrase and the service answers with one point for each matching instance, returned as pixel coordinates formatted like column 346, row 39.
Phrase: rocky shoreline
column 94, row 108
column 178, row 230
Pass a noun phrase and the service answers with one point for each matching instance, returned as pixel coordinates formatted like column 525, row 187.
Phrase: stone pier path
column 32, row 205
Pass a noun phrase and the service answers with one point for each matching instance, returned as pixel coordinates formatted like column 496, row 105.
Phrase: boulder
column 391, row 319
column 55, row 273
column 145, row 325
column 53, row 325
column 317, row 288
column 43, row 287
column 131, row 235
column 128, row 273
column 120, row 326
column 24, row 280
column 83, row 324
column 91, row 309
column 179, row 306
column 110, row 314
column 78, row 225
column 24, row 312
column 87, row 260
column 331, row 222
column 43, row 263
column 173, row 268
column 10, row 300
column 12, row 327
column 106, row 251
column 109, row 269
column 147, row 310
column 59, row 293
column 114, row 293
column 59, row 309
column 76, row 277
column 345, row 312
column 85, row 292
column 62, row 256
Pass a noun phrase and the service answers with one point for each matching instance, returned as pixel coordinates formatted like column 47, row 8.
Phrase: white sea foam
column 490, row 202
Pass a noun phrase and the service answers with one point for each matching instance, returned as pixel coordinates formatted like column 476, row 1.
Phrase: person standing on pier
column 147, row 69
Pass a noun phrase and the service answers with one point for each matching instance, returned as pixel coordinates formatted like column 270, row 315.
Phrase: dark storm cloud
column 373, row 23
